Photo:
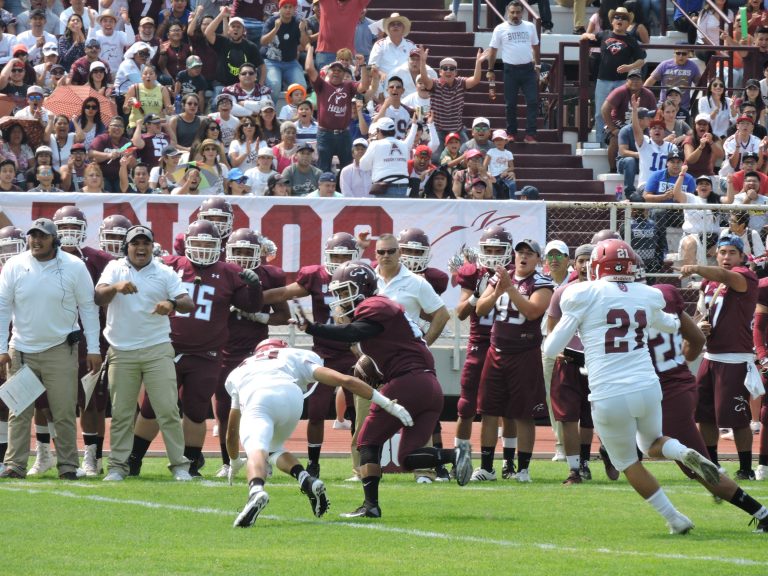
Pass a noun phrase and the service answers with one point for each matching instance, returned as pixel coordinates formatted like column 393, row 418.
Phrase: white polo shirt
column 387, row 56
column 130, row 322
column 43, row 299
column 514, row 43
column 411, row 291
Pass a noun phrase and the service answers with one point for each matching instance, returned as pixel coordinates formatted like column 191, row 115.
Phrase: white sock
column 574, row 462
column 303, row 475
column 509, row 442
column 498, row 431
column 673, row 450
column 663, row 505
column 3, row 432
column 762, row 513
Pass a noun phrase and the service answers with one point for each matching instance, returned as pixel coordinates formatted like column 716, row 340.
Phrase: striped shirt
column 448, row 104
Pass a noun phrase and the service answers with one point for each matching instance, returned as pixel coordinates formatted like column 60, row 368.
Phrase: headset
column 124, row 245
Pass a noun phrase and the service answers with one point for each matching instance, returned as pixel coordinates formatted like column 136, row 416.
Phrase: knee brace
column 369, row 455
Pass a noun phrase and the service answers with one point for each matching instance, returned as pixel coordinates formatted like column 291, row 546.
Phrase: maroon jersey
column 334, row 104
column 512, row 332
column 479, row 326
column 437, row 279
column 138, row 9
column 315, row 280
column 244, row 334
column 153, row 149
column 103, row 143
column 256, row 9
column 213, row 290
column 667, row 349
column 95, row 261
column 730, row 313
column 762, row 292
column 399, row 349
column 556, row 312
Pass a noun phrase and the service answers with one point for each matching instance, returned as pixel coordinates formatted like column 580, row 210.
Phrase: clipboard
column 89, row 382
column 21, row 390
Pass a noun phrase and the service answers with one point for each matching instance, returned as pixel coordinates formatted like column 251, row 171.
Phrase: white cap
column 50, row 48
column 360, row 142
column 386, row 124
column 558, row 245
column 266, row 151
column 480, row 120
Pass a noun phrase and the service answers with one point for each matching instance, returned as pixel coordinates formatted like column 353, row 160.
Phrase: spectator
column 387, row 160
column 392, row 108
column 306, row 127
column 97, row 79
column 177, row 12
column 756, row 17
column 438, row 185
column 702, row 148
column 752, row 95
column 364, row 38
column 286, row 32
column 701, row 228
column 326, row 187
column 147, row 97
column 233, row 49
column 34, row 109
column 527, row 193
column 107, row 147
column 500, row 163
column 338, row 22
column 113, row 42
column 129, row 71
column 748, row 109
column 191, row 80
column 738, row 225
column 645, row 239
column 481, row 136
column 89, row 120
column 681, row 23
column 81, row 68
column 628, row 160
column 138, row 182
column 223, row 116
column 247, row 88
column 183, row 127
column 161, row 176
column 93, row 179
column 463, row 179
column 172, row 55
column 749, row 163
column 749, row 195
column 44, row 179
column 270, row 126
column 419, row 168
column 742, row 142
column 294, row 95
column 285, row 150
column 450, row 156
column 393, row 50
column 278, row 186
column 7, row 41
column 302, row 176
column 14, row 147
column 710, row 29
column 579, row 13
column 675, row 129
column 519, row 45
column 258, row 177
column 59, row 137
column 718, row 106
column 619, row 55
column 679, row 72
column 752, row 61
column 243, row 150
column 200, row 46
column 361, row 120
column 190, row 183
column 71, row 45
column 419, row 100
column 37, row 36
column 409, row 73
column 355, row 182
column 73, row 172
column 146, row 27
column 150, row 145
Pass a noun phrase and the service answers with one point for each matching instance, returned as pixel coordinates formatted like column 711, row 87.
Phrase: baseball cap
column 448, row 62
column 473, row 153
column 422, row 150
column 265, row 151
column 452, row 136
column 675, row 155
column 77, row 146
column 703, row 118
column 360, row 142
column 704, row 177
column 385, row 124
column 479, row 182
column 50, row 48
column 635, row 72
column 43, row 150
column 37, row 13
column 277, row 179
column 237, row 20
column 337, row 64
column 224, row 96
column 752, row 82
column 136, row 231
column 532, row 244
column 236, row 175
column 499, row 134
column 92, row 42
column 644, row 113
column 194, row 62
column 480, row 120
column 731, row 240
column 19, row 48
column 152, row 118
column 673, row 89
column 56, row 67
column 266, row 104
column 744, row 119
column 47, row 226
column 414, row 52
column 558, row 245
column 531, row 192
column 750, row 156
column 97, row 65
column 584, row 250
column 305, row 146
column 146, row 20
column 34, row 90
column 327, row 177
column 171, row 151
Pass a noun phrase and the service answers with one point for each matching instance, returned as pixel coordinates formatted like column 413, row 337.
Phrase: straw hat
column 621, row 10
column 395, row 17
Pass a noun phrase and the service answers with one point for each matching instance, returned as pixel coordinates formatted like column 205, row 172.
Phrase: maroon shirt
column 153, row 149
column 244, row 334
column 334, row 104
column 437, row 279
column 95, row 261
column 213, row 289
column 399, row 349
column 103, row 143
column 731, row 314
column 479, row 326
column 315, row 280
column 80, row 70
column 667, row 349
column 512, row 332
column 256, row 9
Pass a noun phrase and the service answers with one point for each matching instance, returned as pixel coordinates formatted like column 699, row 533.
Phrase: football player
column 512, row 380
column 246, row 329
column 112, row 234
column 218, row 211
column 611, row 314
column 267, row 400
column 198, row 337
column 314, row 281
column 383, row 332
column 760, row 338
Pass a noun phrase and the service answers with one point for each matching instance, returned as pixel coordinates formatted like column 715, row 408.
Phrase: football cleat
column 223, row 472
column 585, row 472
column 313, row 469
column 134, row 465
column 317, row 497
column 463, row 462
column 745, row 475
column 508, row 471
column 680, row 524
column 68, row 476
column 483, row 475
column 442, row 474
column 257, row 500
column 364, row 511
column 703, row 467
column 762, row 525
column 761, row 473
column 573, row 478
column 523, row 476
column 44, row 460
column 610, row 469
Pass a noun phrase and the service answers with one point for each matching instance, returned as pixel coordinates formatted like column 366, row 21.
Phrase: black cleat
column 610, row 469
column 313, row 469
column 508, row 471
column 317, row 497
column 68, row 476
column 762, row 525
column 134, row 465
column 364, row 511
column 745, row 474
column 256, row 503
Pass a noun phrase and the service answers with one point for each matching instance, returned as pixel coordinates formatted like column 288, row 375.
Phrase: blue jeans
column 504, row 188
column 253, row 30
column 394, row 191
column 332, row 143
column 323, row 59
column 629, row 167
column 602, row 89
column 282, row 74
column 521, row 77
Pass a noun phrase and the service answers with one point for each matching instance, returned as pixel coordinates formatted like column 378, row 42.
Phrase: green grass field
column 153, row 525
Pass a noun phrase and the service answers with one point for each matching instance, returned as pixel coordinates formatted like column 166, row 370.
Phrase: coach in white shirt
column 387, row 160
column 140, row 293
column 43, row 291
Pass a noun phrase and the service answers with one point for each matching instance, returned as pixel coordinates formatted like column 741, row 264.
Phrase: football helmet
column 269, row 343
column 70, row 216
column 606, row 234
column 244, row 238
column 202, row 243
column 12, row 242
column 414, row 239
column 495, row 237
column 352, row 283
column 612, row 260
column 219, row 211
column 341, row 243
column 112, row 234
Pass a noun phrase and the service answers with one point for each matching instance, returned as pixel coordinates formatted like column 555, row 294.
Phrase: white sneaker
column 353, row 478
column 450, row 17
column 342, row 425
column 423, row 480
column 181, row 475
column 523, row 476
column 90, row 462
column 44, row 460
column 257, row 500
column 761, row 473
column 726, row 433
column 755, row 427
column 114, row 476
column 680, row 524
column 703, row 467
column 559, row 455
column 463, row 467
column 2, row 467
column 223, row 471
column 482, row 475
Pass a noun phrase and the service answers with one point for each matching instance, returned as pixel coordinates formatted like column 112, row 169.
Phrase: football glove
column 392, row 407
column 234, row 467
column 250, row 277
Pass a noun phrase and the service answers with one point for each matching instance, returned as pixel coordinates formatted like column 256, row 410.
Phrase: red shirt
column 334, row 103
column 338, row 21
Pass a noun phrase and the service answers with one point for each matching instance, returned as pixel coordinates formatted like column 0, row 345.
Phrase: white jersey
column 613, row 319
column 271, row 368
column 653, row 157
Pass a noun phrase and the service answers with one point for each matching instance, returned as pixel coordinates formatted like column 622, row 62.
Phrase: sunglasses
column 144, row 53
column 210, row 149
column 555, row 256
column 99, row 71
column 35, row 97
column 448, row 68
column 621, row 17
column 387, row 251
column 681, row 53
column 90, row 107
column 247, row 74
column 57, row 73
column 718, row 85
column 17, row 70
column 213, row 127
column 249, row 125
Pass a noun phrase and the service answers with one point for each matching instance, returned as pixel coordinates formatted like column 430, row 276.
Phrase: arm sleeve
column 355, row 332
column 663, row 322
column 560, row 336
column 89, row 312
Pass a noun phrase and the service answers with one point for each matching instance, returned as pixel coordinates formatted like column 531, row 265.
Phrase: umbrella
column 68, row 100
column 7, row 105
column 208, row 176
column 32, row 128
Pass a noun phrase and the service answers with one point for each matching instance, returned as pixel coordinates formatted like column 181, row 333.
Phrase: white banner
column 300, row 226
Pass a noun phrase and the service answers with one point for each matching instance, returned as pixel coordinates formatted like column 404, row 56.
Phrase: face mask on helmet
column 244, row 249
column 12, row 242
column 112, row 234
column 352, row 283
column 339, row 249
column 202, row 246
column 219, row 212
column 496, row 248
column 414, row 249
column 71, row 224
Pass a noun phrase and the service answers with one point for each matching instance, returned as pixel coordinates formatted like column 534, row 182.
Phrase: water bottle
column 492, row 90
column 177, row 103
column 619, row 193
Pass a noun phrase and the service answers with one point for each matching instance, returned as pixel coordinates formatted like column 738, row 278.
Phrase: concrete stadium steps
column 440, row 37
column 525, row 173
column 402, row 7
column 567, row 190
column 552, row 151
column 421, row 14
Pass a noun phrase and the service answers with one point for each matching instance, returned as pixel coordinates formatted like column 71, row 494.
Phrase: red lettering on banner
column 121, row 208
column 375, row 216
column 160, row 218
column 45, row 210
column 275, row 219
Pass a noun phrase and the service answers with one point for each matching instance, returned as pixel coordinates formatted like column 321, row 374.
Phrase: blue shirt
column 661, row 181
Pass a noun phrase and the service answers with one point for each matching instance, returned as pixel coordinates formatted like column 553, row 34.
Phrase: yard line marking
column 547, row 547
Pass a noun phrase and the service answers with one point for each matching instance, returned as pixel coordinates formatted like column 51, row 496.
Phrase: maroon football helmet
column 352, row 283
column 70, row 221
column 492, row 242
column 340, row 244
column 12, row 242
column 269, row 344
column 414, row 249
column 612, row 260
column 244, row 238
column 219, row 211
column 112, row 234
column 202, row 244
column 606, row 234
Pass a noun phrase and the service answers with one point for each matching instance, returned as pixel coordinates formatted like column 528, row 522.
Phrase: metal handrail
column 532, row 16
